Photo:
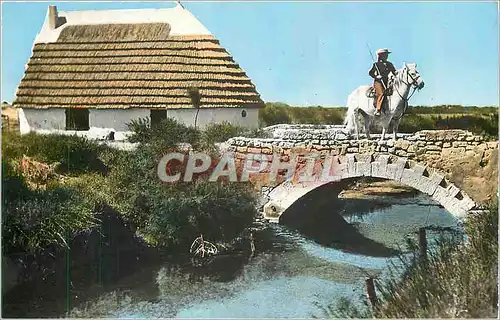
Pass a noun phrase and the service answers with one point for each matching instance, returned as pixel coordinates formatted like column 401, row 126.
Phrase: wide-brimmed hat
column 380, row 51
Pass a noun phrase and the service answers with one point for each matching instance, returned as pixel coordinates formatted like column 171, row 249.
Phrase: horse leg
column 382, row 136
column 356, row 125
column 367, row 125
column 395, row 127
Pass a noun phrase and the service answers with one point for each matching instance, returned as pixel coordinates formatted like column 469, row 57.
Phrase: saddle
column 370, row 92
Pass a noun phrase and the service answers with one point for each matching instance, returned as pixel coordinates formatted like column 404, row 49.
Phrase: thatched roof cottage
column 92, row 72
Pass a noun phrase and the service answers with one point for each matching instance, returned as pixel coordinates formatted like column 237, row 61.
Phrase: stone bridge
column 455, row 167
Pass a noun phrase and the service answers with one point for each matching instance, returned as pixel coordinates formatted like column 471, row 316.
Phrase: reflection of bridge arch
column 406, row 172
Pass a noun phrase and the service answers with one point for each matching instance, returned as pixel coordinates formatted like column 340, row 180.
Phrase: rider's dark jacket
column 385, row 68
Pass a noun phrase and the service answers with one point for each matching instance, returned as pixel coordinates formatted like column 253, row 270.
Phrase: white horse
column 394, row 106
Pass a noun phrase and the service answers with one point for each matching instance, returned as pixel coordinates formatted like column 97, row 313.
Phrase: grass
column 456, row 280
column 34, row 219
column 43, row 209
column 479, row 120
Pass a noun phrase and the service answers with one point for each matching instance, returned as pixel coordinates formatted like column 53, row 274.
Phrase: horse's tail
column 350, row 118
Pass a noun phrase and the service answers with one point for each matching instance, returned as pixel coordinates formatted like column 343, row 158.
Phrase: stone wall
column 467, row 160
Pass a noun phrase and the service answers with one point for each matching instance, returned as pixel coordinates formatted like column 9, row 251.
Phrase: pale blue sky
column 314, row 53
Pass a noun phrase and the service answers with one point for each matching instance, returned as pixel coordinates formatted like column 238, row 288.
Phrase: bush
column 32, row 220
column 176, row 213
column 75, row 154
column 218, row 211
column 165, row 135
column 274, row 113
column 220, row 132
column 458, row 280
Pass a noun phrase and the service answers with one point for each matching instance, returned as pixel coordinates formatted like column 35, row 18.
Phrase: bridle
column 408, row 83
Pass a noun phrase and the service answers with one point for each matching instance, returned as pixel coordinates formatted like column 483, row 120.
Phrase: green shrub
column 220, row 132
column 457, row 280
column 75, row 154
column 274, row 113
column 165, row 135
column 33, row 220
column 176, row 213
column 218, row 211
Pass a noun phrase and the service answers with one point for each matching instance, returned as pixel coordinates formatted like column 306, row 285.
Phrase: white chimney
column 52, row 17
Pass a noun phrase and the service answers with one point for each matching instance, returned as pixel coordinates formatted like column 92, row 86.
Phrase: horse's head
column 411, row 76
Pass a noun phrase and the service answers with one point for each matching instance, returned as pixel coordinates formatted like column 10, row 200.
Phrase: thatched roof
column 132, row 65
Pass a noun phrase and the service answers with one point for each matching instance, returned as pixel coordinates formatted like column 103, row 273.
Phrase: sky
column 315, row 53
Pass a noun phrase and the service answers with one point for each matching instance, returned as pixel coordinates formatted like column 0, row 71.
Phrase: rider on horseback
column 380, row 73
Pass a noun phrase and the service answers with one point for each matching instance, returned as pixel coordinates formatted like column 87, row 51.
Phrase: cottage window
column 77, row 119
column 158, row 116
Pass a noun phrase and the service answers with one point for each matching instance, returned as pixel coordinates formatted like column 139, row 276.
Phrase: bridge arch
column 407, row 172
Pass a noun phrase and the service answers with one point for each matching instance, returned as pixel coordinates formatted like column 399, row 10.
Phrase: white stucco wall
column 215, row 115
column 103, row 121
column 42, row 119
column 115, row 119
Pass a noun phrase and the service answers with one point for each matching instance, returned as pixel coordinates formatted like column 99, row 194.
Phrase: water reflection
column 292, row 274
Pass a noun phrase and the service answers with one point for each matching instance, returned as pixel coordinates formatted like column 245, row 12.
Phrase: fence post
column 422, row 242
column 370, row 290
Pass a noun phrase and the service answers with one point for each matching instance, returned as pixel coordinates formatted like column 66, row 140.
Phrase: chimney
column 52, row 17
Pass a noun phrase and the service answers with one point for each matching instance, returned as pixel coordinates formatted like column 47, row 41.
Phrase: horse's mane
column 399, row 77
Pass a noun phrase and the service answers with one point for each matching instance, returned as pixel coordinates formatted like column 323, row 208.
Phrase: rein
column 408, row 75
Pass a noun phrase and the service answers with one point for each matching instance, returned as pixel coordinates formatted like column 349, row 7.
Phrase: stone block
column 351, row 166
column 395, row 170
column 433, row 148
column 340, row 170
column 379, row 167
column 364, row 168
column 455, row 201
column 340, row 136
column 402, row 144
column 492, row 144
column 433, row 152
column 415, row 178
column 420, row 144
column 253, row 150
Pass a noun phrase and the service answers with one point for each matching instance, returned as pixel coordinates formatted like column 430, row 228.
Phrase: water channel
column 296, row 277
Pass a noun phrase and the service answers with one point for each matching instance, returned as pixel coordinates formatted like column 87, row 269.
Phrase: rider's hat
column 381, row 51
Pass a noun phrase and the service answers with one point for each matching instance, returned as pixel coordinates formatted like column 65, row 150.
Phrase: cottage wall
column 102, row 121
column 217, row 115
column 41, row 119
column 115, row 119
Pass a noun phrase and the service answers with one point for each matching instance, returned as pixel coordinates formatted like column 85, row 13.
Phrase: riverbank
column 285, row 264
column 77, row 213
column 377, row 188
